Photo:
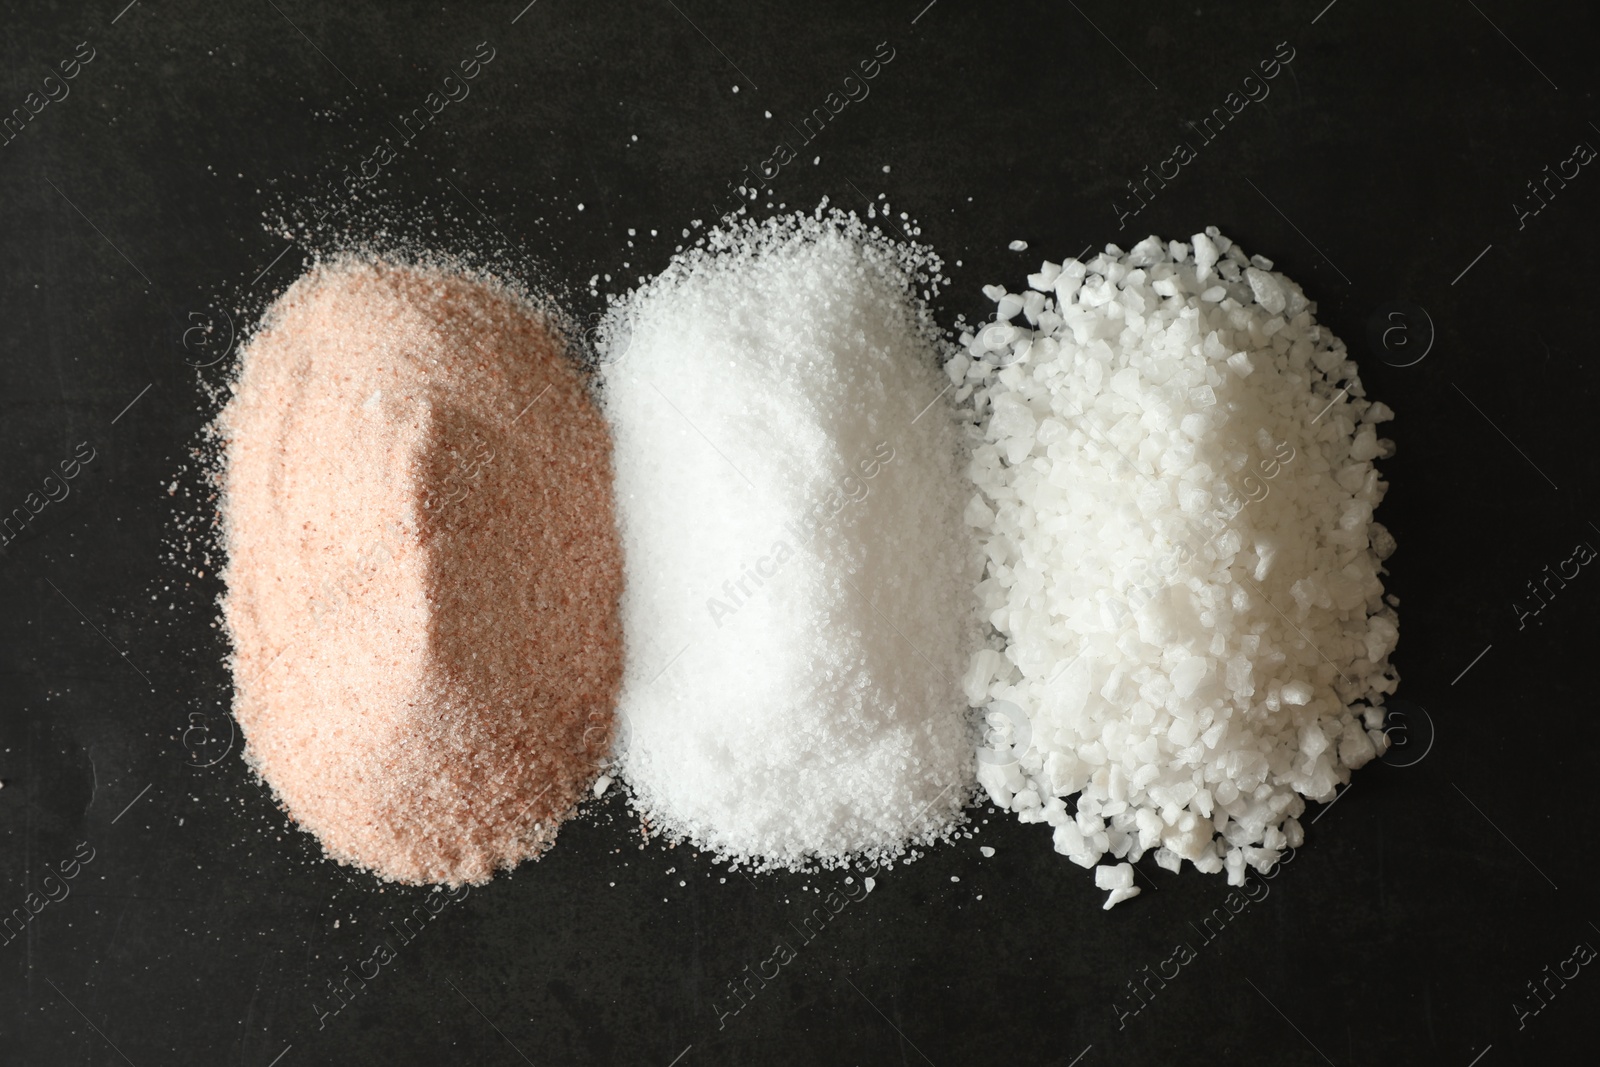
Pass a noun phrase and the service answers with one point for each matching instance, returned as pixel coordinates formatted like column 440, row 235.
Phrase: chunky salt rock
column 1044, row 281
column 1119, row 880
column 1177, row 511
column 1268, row 292
column 1205, row 256
column 976, row 681
column 1187, row 676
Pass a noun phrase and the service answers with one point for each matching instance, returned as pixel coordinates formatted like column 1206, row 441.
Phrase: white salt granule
column 1119, row 880
column 1175, row 495
column 798, row 608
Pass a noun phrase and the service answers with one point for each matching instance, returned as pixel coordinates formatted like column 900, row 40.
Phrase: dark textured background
column 1394, row 145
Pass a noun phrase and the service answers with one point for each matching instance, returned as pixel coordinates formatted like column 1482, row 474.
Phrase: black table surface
column 1421, row 169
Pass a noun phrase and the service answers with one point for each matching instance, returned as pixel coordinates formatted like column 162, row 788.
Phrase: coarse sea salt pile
column 799, row 606
column 1176, row 496
column 423, row 569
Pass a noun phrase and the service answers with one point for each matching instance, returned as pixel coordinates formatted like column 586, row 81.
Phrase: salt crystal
column 1205, row 256
column 1119, row 880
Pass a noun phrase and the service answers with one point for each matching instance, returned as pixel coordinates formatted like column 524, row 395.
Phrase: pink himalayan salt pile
column 424, row 571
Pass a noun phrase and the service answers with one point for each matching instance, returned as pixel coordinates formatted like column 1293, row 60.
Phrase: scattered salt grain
column 798, row 573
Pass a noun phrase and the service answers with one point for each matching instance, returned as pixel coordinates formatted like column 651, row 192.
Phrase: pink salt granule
column 423, row 570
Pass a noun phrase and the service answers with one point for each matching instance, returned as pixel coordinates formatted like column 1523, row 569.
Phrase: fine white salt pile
column 1175, row 496
column 798, row 605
